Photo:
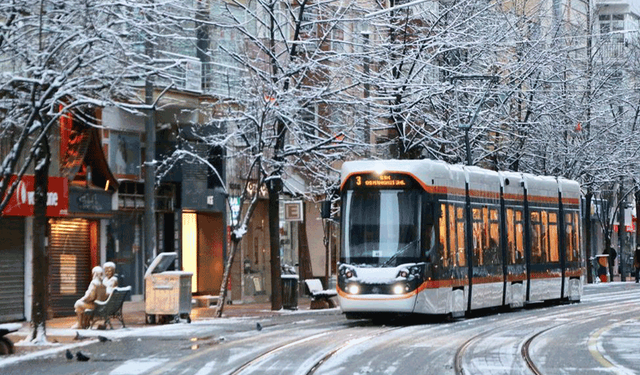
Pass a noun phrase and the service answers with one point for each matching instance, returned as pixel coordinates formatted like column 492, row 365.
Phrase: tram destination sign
column 380, row 181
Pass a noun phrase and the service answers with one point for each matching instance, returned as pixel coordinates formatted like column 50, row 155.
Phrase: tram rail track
column 319, row 363
column 312, row 370
column 321, row 350
column 526, row 354
column 525, row 347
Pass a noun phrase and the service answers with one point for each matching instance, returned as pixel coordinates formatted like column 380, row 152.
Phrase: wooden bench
column 320, row 298
column 107, row 310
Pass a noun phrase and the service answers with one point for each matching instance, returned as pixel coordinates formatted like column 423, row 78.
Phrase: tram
column 427, row 237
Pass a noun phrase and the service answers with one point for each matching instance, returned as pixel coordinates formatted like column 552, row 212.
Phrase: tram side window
column 511, row 237
column 495, row 255
column 544, row 238
column 519, row 237
column 536, row 238
column 478, row 236
column 442, row 226
column 460, row 254
column 576, row 237
column 571, row 236
column 453, row 245
column 553, row 237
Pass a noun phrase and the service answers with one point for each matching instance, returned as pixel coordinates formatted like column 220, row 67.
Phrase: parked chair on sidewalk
column 320, row 298
column 107, row 310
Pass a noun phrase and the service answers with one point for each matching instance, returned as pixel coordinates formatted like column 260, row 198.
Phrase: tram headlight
column 353, row 289
column 348, row 274
column 398, row 289
column 410, row 272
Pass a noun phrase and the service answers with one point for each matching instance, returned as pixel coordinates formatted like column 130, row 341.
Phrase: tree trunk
column 40, row 256
column 274, row 242
column 304, row 257
column 235, row 244
column 608, row 248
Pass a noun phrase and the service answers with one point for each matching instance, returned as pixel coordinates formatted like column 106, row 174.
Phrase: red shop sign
column 22, row 200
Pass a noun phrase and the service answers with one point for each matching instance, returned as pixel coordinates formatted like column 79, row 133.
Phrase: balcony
column 184, row 73
column 614, row 49
column 222, row 78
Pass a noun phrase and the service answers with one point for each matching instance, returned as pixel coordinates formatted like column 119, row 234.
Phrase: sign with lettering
column 381, row 181
column 23, row 199
column 89, row 200
column 293, row 211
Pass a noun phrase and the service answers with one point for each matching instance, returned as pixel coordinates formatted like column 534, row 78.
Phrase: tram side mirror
column 325, row 209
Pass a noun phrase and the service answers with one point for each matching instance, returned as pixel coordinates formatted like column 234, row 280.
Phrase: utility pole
column 149, row 165
column 622, row 232
column 275, row 187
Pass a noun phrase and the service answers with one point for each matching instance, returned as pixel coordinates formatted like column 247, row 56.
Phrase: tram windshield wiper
column 401, row 252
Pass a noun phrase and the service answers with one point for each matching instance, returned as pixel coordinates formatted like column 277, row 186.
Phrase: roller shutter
column 69, row 264
column 12, row 269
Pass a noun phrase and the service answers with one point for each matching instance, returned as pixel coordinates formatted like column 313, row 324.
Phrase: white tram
column 427, row 237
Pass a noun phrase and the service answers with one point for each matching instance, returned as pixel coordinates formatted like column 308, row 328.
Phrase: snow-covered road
column 598, row 335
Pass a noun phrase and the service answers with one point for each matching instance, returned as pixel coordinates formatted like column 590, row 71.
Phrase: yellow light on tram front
column 398, row 289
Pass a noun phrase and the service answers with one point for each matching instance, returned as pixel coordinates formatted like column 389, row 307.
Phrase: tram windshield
column 381, row 227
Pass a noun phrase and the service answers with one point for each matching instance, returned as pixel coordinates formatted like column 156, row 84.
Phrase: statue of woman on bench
column 110, row 279
column 97, row 291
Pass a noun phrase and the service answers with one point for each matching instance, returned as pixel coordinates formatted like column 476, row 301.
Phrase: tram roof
column 440, row 173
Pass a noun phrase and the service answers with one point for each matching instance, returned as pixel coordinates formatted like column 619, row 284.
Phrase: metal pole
column 149, row 169
column 622, row 232
column 468, row 146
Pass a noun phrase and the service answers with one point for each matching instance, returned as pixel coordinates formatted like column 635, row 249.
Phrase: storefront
column 77, row 241
column 75, row 246
column 202, row 250
column 12, row 264
column 15, row 266
column 202, row 233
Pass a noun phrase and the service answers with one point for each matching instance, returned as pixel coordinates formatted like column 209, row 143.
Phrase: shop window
column 124, row 158
column 215, row 178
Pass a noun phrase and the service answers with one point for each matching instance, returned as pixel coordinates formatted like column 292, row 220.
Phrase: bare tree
column 58, row 57
column 280, row 107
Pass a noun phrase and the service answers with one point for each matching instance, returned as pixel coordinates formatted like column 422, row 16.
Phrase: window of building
column 611, row 26
column 124, row 154
column 216, row 159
